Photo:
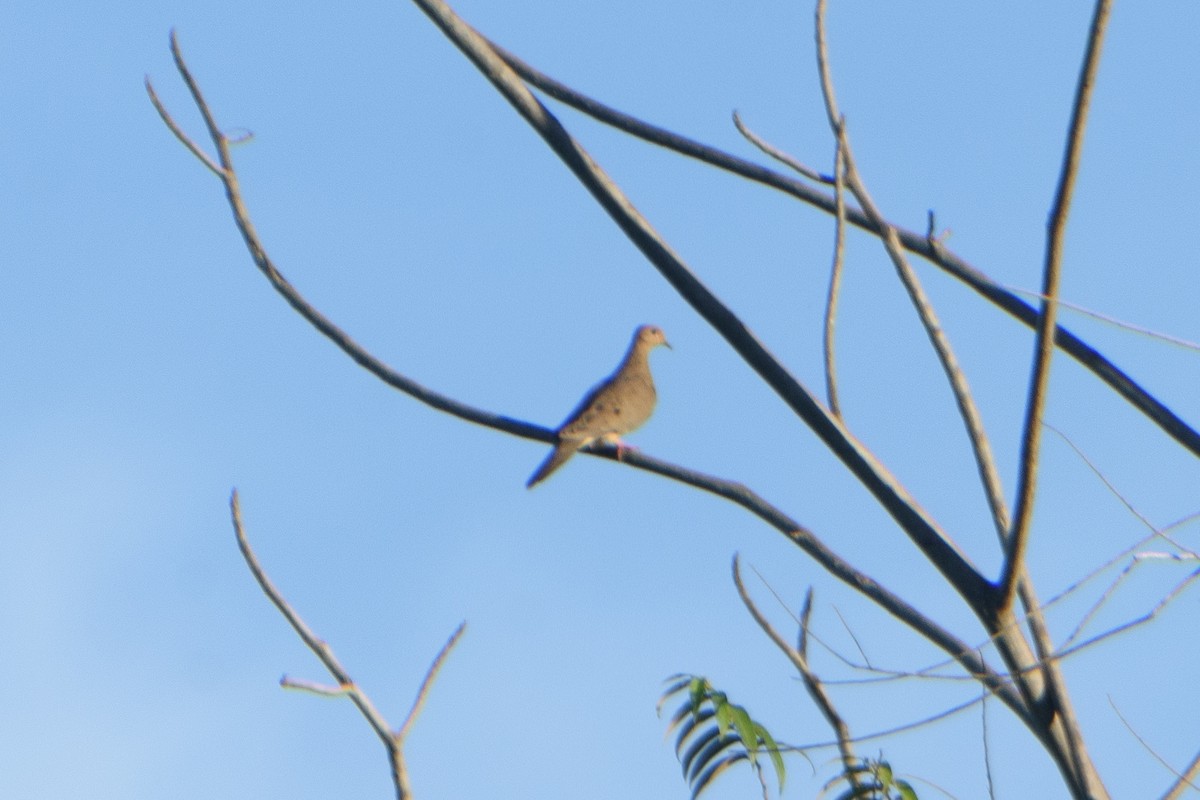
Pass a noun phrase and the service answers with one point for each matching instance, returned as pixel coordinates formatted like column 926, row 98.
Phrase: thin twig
column 430, row 676
column 853, row 638
column 980, row 447
column 839, row 247
column 186, row 140
column 835, row 279
column 1108, row 593
column 987, row 753
column 1018, row 541
column 393, row 741
column 1178, row 341
column 1175, row 592
column 325, row 654
column 774, row 152
column 1155, row 533
column 888, row 732
column 799, row 660
column 312, row 687
column 1108, row 484
column 1180, row 777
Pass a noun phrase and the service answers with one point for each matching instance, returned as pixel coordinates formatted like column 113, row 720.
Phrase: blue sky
column 148, row 369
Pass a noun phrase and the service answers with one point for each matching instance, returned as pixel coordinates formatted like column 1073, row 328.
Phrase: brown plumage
column 616, row 406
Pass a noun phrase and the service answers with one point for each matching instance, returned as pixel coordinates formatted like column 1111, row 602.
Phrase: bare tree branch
column 427, row 682
column 735, row 492
column 1178, row 341
column 1004, row 632
column 920, row 244
column 170, row 122
column 981, row 449
column 987, row 754
column 1048, row 714
column 1042, row 689
column 799, row 658
column 774, row 152
column 1182, row 779
column 839, row 246
column 835, row 279
column 885, row 733
column 1187, row 780
column 393, row 741
column 1018, row 541
column 1011, row 581
column 890, row 493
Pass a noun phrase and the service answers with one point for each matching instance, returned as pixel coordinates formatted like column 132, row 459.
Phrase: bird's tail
column 558, row 456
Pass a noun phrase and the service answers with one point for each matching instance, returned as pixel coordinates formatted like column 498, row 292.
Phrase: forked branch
column 913, row 241
column 798, row 656
column 393, row 740
column 730, row 490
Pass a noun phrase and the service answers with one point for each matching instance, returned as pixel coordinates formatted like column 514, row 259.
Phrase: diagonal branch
column 1182, row 779
column 890, row 493
column 777, row 154
column 431, row 674
column 1003, row 631
column 228, row 175
column 799, row 658
column 1002, row 627
column 912, row 241
column 838, row 180
column 1044, row 347
column 1040, row 682
column 729, row 490
column 985, row 463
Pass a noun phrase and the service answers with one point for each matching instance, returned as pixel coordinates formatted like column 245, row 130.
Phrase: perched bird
column 617, row 405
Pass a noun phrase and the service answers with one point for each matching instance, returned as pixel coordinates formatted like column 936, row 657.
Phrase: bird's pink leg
column 622, row 448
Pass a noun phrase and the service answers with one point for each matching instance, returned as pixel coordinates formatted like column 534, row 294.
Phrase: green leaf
column 773, row 752
column 698, row 690
column 681, row 682
column 745, row 731
column 724, row 716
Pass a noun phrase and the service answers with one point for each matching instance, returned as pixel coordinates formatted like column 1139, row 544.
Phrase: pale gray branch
column 393, row 741
column 1018, row 541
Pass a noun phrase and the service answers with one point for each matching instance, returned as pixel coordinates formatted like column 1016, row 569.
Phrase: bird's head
column 650, row 336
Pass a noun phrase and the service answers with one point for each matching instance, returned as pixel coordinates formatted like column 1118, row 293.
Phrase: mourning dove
column 617, row 405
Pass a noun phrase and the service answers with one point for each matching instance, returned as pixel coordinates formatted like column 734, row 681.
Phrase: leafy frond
column 714, row 733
